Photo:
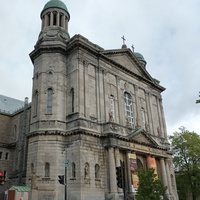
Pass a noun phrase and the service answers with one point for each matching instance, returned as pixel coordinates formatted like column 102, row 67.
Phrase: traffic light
column 119, row 174
column 61, row 179
column 2, row 181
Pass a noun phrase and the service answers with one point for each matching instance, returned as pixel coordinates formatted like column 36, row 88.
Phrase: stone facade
column 90, row 107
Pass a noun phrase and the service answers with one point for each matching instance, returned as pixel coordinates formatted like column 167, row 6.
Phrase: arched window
column 72, row 99
column 47, row 170
column 49, row 100
column 128, row 108
column 87, row 170
column 32, row 168
column 97, row 171
column 73, row 170
column 112, row 108
column 35, row 103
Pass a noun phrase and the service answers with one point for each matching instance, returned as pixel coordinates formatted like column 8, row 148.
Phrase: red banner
column 152, row 164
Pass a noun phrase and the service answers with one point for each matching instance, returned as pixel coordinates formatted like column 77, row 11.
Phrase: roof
column 21, row 188
column 9, row 105
column 55, row 4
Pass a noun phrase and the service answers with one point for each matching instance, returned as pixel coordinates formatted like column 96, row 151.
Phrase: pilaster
column 112, row 173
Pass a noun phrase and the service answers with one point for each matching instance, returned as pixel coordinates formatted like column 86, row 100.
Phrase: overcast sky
column 165, row 32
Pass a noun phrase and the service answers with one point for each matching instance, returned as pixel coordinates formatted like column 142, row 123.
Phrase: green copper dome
column 140, row 58
column 55, row 4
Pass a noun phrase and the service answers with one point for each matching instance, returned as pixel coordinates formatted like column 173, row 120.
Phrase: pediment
column 142, row 137
column 127, row 59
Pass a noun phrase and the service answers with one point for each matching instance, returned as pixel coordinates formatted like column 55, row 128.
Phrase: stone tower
column 48, row 113
column 95, row 109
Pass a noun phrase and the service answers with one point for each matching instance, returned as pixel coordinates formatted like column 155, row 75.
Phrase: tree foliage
column 186, row 150
column 198, row 101
column 149, row 188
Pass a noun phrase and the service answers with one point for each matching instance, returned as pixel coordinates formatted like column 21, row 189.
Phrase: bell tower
column 48, row 112
column 55, row 18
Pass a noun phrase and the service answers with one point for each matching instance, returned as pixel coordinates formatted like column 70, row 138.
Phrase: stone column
column 164, row 174
column 51, row 19
column 63, row 21
column 86, row 90
column 149, row 112
column 58, row 19
column 160, row 131
column 117, row 163
column 45, row 20
column 96, row 91
column 119, row 103
column 128, row 172
column 101, row 95
column 168, row 177
column 112, row 171
column 66, row 23
column 105, row 97
column 163, row 119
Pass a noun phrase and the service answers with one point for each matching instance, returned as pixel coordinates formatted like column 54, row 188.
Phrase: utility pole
column 65, row 182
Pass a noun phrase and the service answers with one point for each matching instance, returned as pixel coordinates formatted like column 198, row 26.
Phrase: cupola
column 55, row 18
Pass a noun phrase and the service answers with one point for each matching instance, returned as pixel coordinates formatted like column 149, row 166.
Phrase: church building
column 92, row 110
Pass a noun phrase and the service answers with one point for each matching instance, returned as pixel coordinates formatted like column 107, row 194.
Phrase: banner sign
column 152, row 164
column 133, row 171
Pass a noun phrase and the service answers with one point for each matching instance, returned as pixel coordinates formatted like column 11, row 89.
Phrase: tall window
column 73, row 170
column 97, row 170
column 47, row 170
column 49, row 100
column 35, row 103
column 72, row 99
column 128, row 108
column 1, row 155
column 112, row 108
column 87, row 170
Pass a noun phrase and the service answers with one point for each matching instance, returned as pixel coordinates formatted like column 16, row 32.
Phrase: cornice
column 90, row 133
column 78, row 41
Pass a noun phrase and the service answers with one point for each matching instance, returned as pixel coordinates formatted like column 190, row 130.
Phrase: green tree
column 186, row 156
column 149, row 188
column 198, row 101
